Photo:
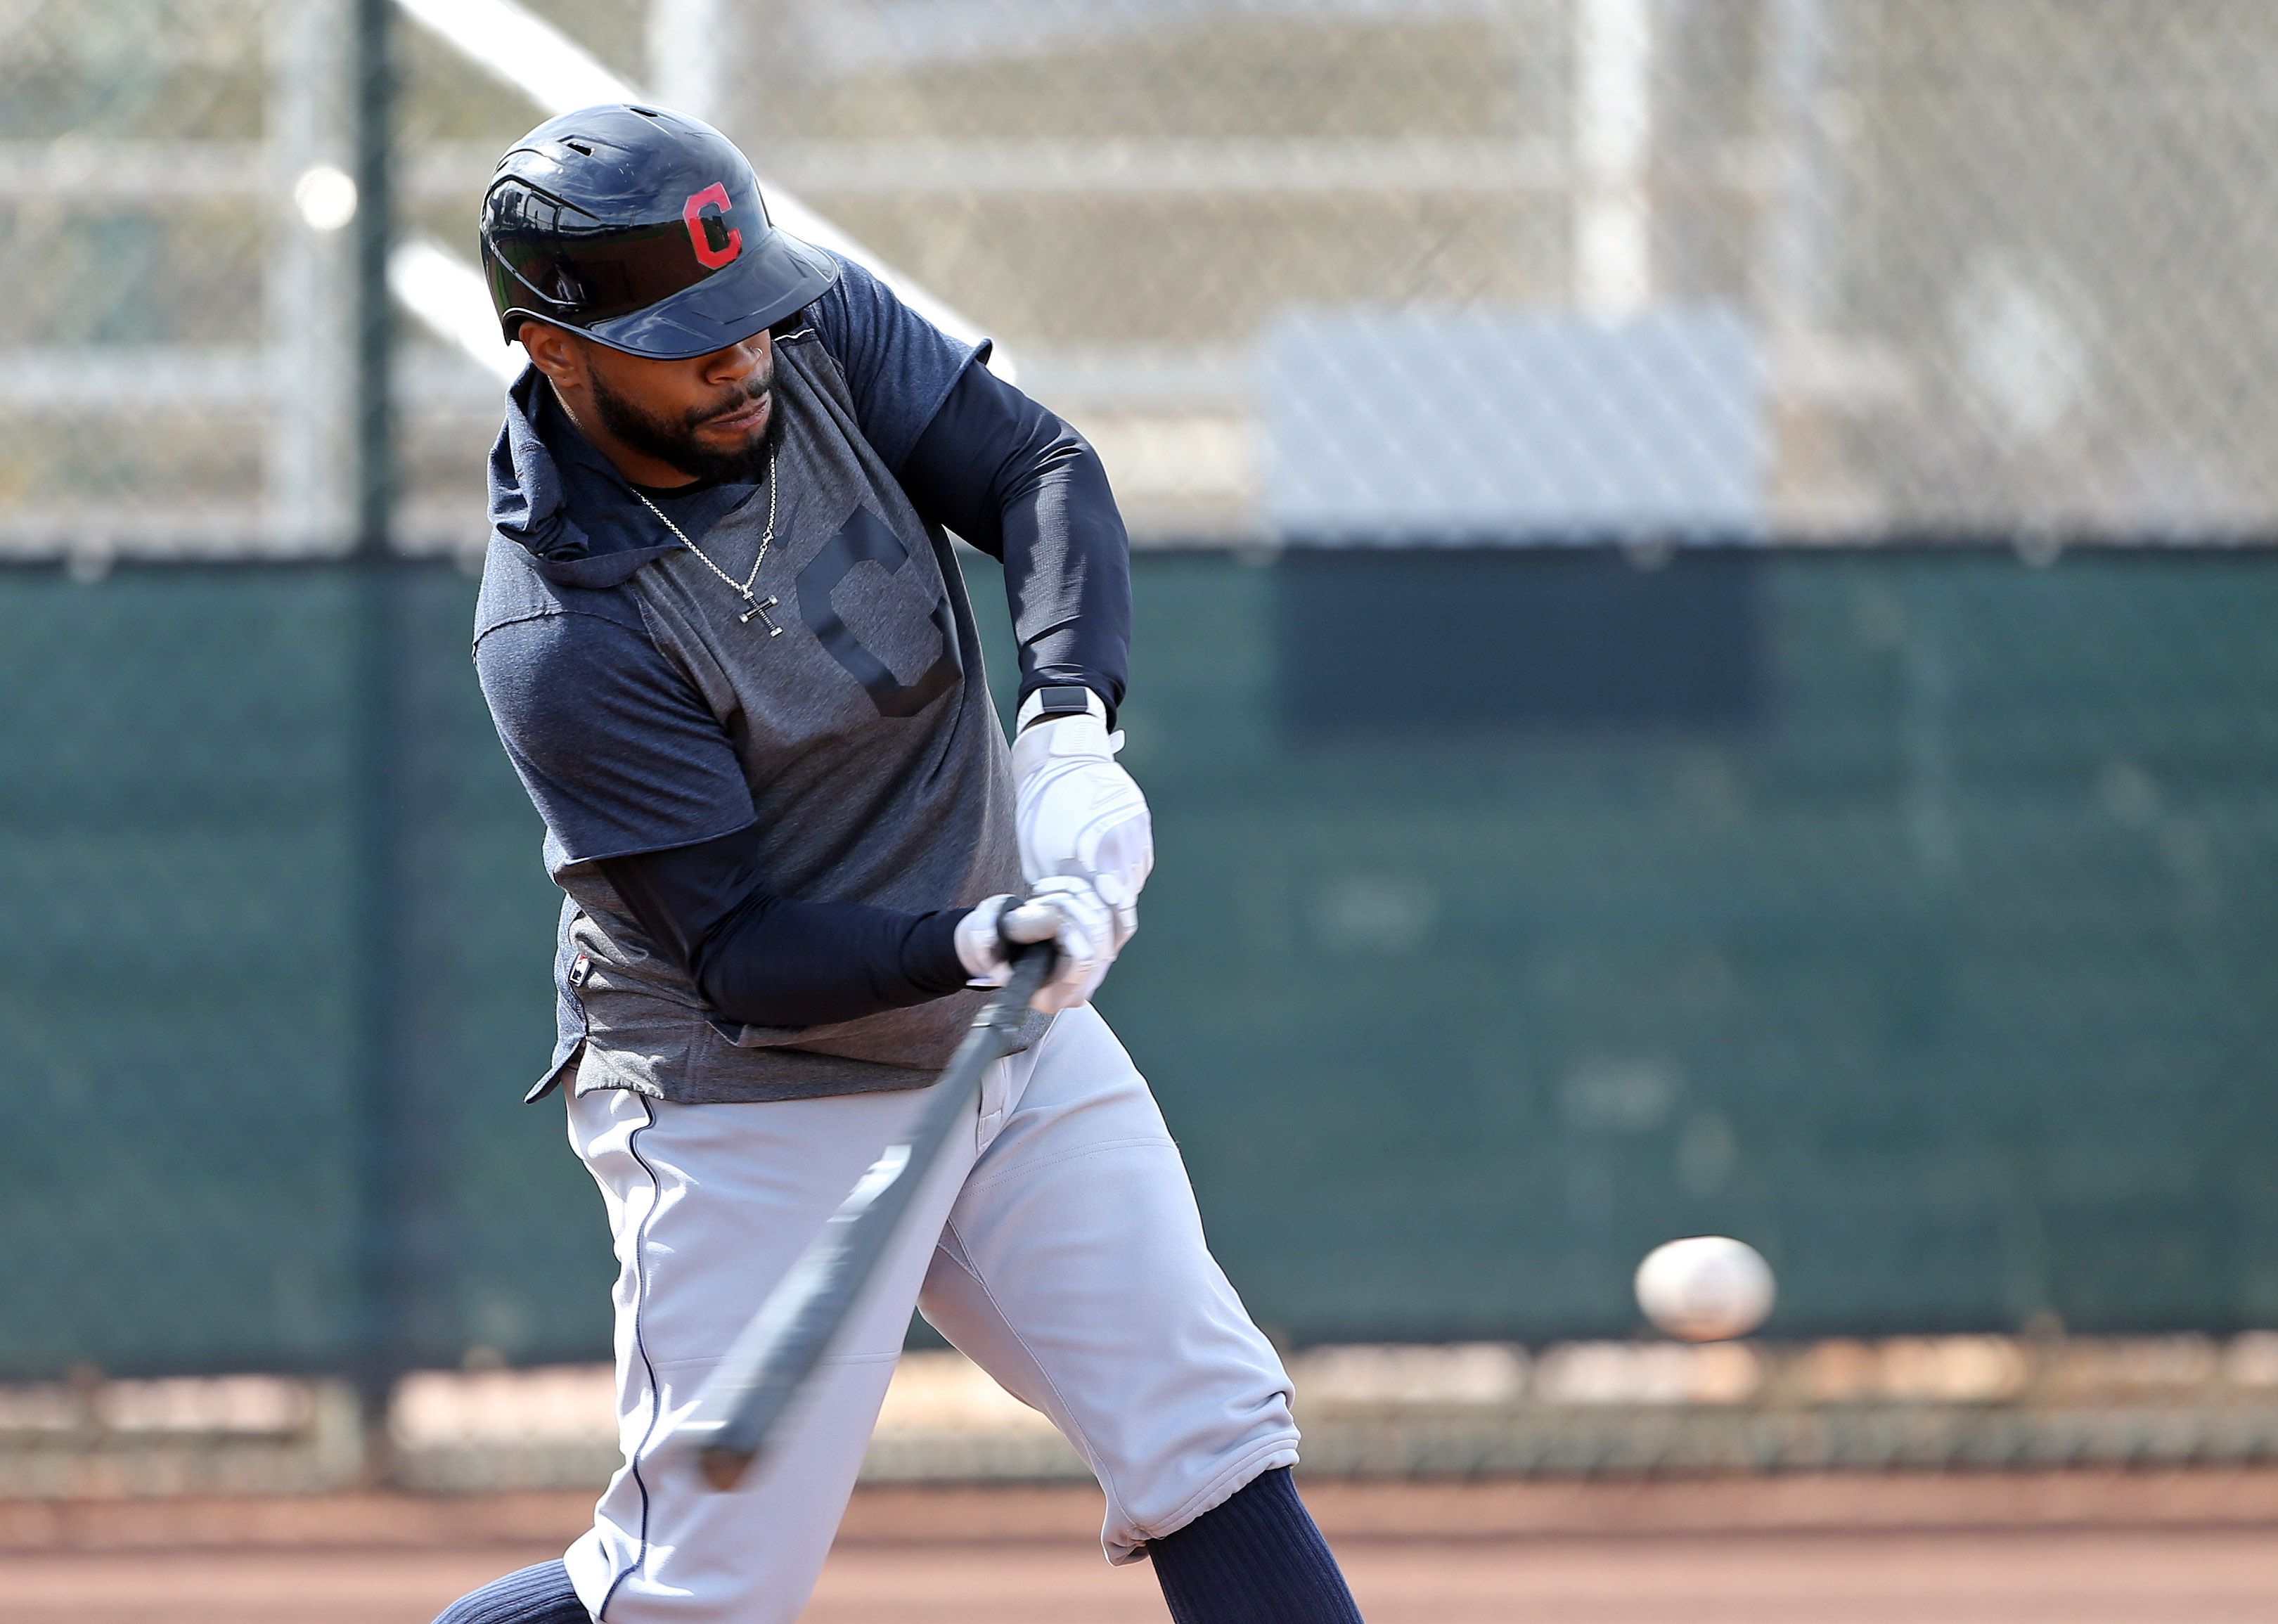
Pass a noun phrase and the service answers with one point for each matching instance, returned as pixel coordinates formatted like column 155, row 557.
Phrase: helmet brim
column 777, row 278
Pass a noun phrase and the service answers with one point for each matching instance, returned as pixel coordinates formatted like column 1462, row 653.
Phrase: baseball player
column 729, row 650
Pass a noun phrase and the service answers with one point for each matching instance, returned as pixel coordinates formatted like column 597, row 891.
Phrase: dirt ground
column 2176, row 1548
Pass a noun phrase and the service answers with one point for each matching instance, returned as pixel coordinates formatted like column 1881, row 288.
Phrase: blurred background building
column 1705, row 657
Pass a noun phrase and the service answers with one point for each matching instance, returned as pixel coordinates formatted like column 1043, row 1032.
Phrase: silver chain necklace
column 742, row 589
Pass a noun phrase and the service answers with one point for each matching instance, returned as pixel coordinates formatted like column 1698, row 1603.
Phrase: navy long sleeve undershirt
column 774, row 961
column 1016, row 482
column 1020, row 484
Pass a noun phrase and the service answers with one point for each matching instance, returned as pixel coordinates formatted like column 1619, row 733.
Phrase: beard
column 672, row 441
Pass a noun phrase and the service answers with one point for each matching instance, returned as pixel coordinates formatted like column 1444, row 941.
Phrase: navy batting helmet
column 642, row 230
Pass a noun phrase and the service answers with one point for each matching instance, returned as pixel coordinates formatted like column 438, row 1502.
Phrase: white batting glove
column 1075, row 810
column 1063, row 910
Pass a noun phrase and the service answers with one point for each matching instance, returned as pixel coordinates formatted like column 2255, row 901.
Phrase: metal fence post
column 382, row 1283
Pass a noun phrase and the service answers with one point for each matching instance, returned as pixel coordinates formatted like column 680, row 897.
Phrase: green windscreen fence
column 1910, row 913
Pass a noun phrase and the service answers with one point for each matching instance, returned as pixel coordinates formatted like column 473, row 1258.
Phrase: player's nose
column 737, row 363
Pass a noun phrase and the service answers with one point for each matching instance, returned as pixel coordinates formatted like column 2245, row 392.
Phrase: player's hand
column 1063, row 910
column 1078, row 813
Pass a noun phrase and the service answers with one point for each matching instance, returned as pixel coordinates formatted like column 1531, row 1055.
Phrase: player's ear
column 554, row 351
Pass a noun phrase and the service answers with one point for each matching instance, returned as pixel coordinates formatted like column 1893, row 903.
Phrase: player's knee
column 540, row 1594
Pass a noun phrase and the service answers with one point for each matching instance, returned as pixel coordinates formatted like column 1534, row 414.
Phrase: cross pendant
column 759, row 607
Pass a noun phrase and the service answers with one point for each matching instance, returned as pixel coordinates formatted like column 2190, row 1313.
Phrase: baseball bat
column 739, row 1407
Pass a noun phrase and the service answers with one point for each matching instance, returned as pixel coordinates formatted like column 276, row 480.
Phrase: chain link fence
column 1799, row 268
column 1906, row 907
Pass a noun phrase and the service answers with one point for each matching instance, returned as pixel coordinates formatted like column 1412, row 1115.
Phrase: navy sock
column 1257, row 1559
column 540, row 1594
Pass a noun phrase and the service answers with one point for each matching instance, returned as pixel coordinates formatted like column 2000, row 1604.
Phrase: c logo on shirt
column 715, row 241
column 866, row 539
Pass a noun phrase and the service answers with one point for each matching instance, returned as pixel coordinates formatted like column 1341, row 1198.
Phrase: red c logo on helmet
column 700, row 230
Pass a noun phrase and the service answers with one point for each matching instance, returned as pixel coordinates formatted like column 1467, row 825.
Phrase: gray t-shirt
column 643, row 713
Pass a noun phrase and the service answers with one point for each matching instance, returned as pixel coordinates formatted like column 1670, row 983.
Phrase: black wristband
column 1062, row 699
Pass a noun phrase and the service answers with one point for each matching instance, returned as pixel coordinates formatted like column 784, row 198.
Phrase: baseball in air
column 1705, row 1288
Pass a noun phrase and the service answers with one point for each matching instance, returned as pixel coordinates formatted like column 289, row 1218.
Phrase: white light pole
column 1613, row 150
column 687, row 42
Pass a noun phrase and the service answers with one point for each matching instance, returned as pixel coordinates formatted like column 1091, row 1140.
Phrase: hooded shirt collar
column 538, row 457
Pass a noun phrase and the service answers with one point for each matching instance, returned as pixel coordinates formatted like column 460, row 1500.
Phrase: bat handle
column 1032, row 967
